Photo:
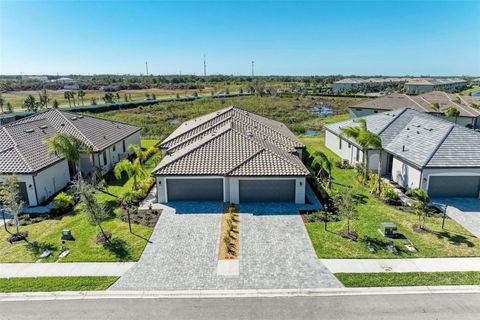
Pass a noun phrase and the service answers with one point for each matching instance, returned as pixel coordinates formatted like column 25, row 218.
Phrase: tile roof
column 424, row 103
column 22, row 147
column 424, row 140
column 231, row 142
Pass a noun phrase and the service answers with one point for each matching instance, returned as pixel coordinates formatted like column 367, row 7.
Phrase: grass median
column 44, row 284
column 408, row 279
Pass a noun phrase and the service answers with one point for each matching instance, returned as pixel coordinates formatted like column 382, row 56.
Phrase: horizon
column 311, row 38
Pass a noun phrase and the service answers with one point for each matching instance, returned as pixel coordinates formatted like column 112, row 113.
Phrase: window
column 124, row 148
column 114, row 148
column 349, row 145
column 340, row 143
column 104, row 158
column 357, row 157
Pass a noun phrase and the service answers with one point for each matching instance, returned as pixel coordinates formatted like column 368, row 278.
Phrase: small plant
column 63, row 202
column 389, row 195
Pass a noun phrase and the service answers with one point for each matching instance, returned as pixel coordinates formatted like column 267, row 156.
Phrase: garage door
column 443, row 186
column 195, row 189
column 267, row 190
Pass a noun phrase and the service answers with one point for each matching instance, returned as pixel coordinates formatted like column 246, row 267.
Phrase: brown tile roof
column 22, row 147
column 424, row 103
column 232, row 142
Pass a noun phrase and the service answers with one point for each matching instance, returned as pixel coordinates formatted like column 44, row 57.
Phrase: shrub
column 388, row 194
column 63, row 202
column 418, row 194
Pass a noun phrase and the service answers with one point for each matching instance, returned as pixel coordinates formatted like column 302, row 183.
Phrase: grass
column 408, row 279
column 467, row 92
column 125, row 246
column 44, row 284
column 453, row 241
column 293, row 111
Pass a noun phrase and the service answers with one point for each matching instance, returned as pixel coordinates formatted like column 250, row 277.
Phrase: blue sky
column 294, row 38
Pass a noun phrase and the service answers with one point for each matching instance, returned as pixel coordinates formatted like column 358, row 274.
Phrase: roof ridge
column 198, row 134
column 223, row 111
column 270, row 150
column 201, row 143
column 268, row 126
column 76, row 129
column 418, row 104
column 16, row 149
column 392, row 121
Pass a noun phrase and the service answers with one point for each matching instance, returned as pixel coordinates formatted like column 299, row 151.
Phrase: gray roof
column 424, row 140
column 231, row 142
column 22, row 147
column 424, row 103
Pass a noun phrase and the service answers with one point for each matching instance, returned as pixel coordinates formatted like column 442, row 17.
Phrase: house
column 231, row 155
column 370, row 84
column 41, row 175
column 475, row 82
column 419, row 151
column 435, row 103
column 421, row 85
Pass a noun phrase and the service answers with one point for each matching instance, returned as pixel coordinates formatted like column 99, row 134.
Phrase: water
column 475, row 94
column 321, row 111
column 311, row 132
column 174, row 121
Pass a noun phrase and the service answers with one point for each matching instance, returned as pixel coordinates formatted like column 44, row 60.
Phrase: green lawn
column 467, row 92
column 454, row 241
column 56, row 284
column 408, row 279
column 124, row 246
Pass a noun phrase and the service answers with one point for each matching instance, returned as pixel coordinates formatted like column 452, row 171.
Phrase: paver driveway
column 465, row 211
column 275, row 252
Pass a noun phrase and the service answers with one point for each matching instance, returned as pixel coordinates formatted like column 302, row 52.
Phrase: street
column 405, row 306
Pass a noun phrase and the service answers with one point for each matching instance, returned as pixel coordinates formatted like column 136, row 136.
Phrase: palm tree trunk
column 69, row 103
column 365, row 162
column 5, row 222
column 379, row 172
column 79, row 171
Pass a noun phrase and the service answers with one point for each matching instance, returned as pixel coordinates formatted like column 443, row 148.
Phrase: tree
column 2, row 101
column 80, row 95
column 94, row 101
column 30, row 104
column 346, row 206
column 126, row 199
column 141, row 154
column 453, row 112
column 68, row 96
column 108, row 97
column 11, row 200
column 55, row 104
column 133, row 169
column 63, row 201
column 43, row 98
column 9, row 107
column 367, row 140
column 69, row 147
column 154, row 97
column 94, row 211
column 324, row 164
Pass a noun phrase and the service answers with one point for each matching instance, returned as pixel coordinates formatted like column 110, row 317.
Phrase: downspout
column 35, row 188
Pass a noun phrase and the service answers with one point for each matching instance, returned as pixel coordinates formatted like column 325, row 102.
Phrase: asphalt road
column 411, row 307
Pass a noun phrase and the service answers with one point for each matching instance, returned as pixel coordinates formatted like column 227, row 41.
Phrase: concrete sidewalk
column 24, row 270
column 402, row 265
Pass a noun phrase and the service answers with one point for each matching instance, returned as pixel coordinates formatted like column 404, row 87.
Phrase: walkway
column 402, row 265
column 465, row 211
column 275, row 252
column 23, row 270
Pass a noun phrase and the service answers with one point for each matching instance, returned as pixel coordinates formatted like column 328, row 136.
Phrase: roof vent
column 249, row 133
column 73, row 118
column 43, row 127
column 105, row 137
column 403, row 148
column 62, row 124
column 29, row 130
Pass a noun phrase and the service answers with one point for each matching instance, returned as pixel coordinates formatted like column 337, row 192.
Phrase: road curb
column 253, row 293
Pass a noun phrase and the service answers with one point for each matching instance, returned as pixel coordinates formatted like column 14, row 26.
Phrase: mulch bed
column 101, row 238
column 233, row 239
column 18, row 237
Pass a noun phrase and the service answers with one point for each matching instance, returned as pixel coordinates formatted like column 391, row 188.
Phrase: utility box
column 67, row 234
column 388, row 229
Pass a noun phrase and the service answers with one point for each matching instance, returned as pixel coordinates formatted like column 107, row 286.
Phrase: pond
column 174, row 121
column 475, row 94
column 320, row 110
column 311, row 132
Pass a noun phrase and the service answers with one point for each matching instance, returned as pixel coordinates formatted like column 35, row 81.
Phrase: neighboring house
column 420, row 151
column 427, row 103
column 379, row 84
column 23, row 152
column 232, row 156
column 421, row 85
column 476, row 82
column 71, row 87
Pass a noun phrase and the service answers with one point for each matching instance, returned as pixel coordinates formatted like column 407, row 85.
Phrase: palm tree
column 453, row 112
column 69, row 147
column 80, row 95
column 132, row 169
column 367, row 140
column 2, row 101
column 67, row 96
column 141, row 154
column 325, row 164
